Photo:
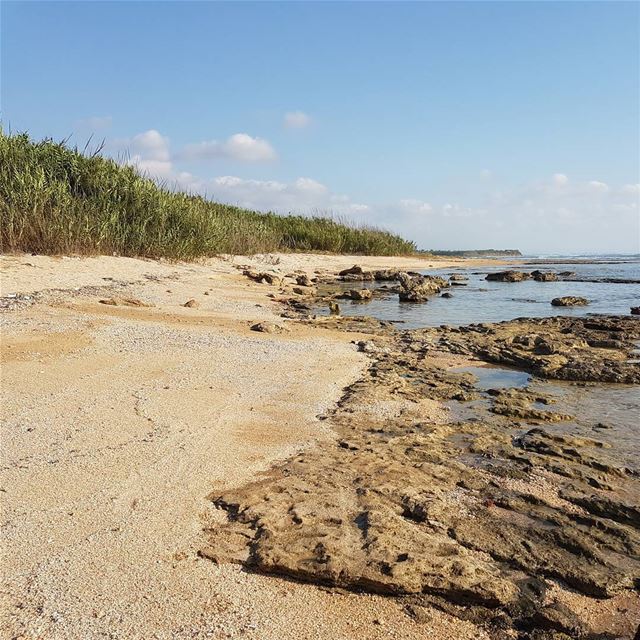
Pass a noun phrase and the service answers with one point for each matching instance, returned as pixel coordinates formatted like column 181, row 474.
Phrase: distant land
column 472, row 253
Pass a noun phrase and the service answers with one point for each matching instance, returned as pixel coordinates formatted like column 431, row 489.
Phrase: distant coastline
column 474, row 253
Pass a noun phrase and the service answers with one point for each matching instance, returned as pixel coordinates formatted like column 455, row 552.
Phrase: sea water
column 487, row 301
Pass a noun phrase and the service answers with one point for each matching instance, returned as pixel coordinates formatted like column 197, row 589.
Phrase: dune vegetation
column 58, row 200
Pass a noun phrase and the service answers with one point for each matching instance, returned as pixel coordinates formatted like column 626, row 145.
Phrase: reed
column 59, row 200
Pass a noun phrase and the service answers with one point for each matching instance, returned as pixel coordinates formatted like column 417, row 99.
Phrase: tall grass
column 56, row 200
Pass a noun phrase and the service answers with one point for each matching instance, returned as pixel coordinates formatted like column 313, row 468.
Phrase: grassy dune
column 55, row 200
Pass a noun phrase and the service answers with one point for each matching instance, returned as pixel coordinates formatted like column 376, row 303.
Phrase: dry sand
column 119, row 421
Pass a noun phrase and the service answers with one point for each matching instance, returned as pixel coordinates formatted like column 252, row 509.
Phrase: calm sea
column 484, row 301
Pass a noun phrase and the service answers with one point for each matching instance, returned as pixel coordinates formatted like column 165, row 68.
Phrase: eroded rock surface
column 419, row 288
column 474, row 516
column 569, row 301
column 598, row 348
column 508, row 276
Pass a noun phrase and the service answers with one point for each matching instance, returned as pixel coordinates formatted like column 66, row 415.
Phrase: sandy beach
column 118, row 423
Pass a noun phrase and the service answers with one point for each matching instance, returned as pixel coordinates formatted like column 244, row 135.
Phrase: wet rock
column 419, row 288
column 458, row 277
column 508, row 276
column 544, row 276
column 635, row 311
column 569, row 301
column 191, row 304
column 360, row 294
column 556, row 347
column 124, row 302
column 385, row 275
column 355, row 273
column 304, row 291
column 567, row 274
column 304, row 280
column 334, row 308
column 447, row 294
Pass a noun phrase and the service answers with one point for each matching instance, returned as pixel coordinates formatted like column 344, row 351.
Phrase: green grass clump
column 56, row 200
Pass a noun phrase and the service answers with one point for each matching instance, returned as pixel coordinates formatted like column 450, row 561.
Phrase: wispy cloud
column 94, row 123
column 297, row 120
column 240, row 147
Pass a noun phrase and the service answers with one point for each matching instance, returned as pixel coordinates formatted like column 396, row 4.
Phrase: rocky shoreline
column 483, row 517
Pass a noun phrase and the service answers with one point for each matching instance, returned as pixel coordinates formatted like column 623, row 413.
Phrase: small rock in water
column 508, row 276
column 635, row 311
column 544, row 276
column 334, row 308
column 360, row 294
column 447, row 294
column 569, row 301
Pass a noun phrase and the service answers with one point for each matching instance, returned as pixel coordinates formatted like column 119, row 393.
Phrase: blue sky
column 461, row 125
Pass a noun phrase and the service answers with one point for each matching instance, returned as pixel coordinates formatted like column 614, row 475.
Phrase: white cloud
column 296, row 120
column 240, row 146
column 95, row 123
column 415, row 206
column 554, row 215
column 311, row 186
column 150, row 145
column 148, row 151
column 559, row 179
column 596, row 185
column 303, row 195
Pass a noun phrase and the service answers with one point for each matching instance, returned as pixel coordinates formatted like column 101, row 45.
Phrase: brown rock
column 191, row 304
column 125, row 302
column 304, row 280
column 268, row 327
column 569, row 301
column 544, row 276
column 360, row 294
column 508, row 276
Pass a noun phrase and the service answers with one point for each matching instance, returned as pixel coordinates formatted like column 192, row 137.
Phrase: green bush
column 56, row 200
